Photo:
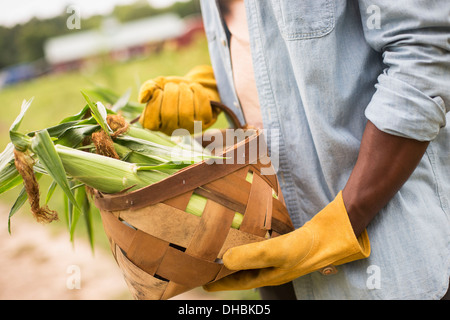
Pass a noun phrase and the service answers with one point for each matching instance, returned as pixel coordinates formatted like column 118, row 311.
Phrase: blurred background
column 51, row 50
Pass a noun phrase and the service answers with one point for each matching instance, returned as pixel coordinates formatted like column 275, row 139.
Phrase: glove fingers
column 241, row 280
column 250, row 256
column 202, row 106
column 186, row 108
column 250, row 279
column 204, row 75
column 151, row 117
column 169, row 108
column 276, row 252
column 148, row 88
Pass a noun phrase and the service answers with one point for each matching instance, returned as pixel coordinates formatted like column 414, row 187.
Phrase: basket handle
column 231, row 115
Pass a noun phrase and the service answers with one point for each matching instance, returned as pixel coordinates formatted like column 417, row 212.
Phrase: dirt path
column 38, row 265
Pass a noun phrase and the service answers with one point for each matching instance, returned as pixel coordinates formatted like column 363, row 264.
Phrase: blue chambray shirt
column 325, row 67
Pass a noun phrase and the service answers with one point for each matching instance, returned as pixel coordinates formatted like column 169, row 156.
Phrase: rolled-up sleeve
column 412, row 94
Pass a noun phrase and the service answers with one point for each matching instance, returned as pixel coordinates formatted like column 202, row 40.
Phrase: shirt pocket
column 301, row 19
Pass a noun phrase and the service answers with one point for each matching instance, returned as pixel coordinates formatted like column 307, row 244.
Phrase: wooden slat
column 173, row 289
column 142, row 286
column 259, row 199
column 164, row 222
column 146, row 251
column 224, row 201
column 181, row 201
column 117, row 231
column 236, row 238
column 281, row 221
column 232, row 187
column 270, row 178
column 211, row 232
column 187, row 270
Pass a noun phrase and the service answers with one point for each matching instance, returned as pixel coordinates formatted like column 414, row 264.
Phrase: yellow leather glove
column 327, row 239
column 176, row 102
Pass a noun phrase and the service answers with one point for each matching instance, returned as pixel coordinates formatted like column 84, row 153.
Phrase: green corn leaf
column 59, row 129
column 169, row 167
column 50, row 191
column 148, row 135
column 87, row 215
column 99, row 113
column 20, row 140
column 130, row 110
column 9, row 178
column 16, row 124
column 122, row 101
column 67, row 208
column 80, row 115
column 73, row 136
column 20, row 201
column 44, row 148
column 163, row 153
column 6, row 156
column 80, row 195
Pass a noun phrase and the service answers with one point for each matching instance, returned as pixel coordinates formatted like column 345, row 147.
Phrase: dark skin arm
column 385, row 162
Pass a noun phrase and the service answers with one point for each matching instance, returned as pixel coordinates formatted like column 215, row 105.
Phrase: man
column 357, row 94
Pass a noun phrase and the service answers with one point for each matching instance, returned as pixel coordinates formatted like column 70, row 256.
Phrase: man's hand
column 176, row 102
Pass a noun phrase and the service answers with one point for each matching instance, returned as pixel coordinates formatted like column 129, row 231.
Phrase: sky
column 20, row 11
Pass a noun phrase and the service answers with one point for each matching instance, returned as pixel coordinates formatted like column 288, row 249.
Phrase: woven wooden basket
column 164, row 251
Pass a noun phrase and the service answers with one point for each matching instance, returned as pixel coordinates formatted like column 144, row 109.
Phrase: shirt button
column 224, row 42
column 328, row 270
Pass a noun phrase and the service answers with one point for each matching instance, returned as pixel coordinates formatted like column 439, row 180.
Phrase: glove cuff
column 349, row 248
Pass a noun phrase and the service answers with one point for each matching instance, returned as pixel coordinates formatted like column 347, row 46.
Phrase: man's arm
column 410, row 103
column 384, row 164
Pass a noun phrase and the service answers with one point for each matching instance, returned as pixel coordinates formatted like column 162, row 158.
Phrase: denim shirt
column 322, row 69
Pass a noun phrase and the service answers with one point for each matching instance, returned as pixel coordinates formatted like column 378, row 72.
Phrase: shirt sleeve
column 412, row 94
